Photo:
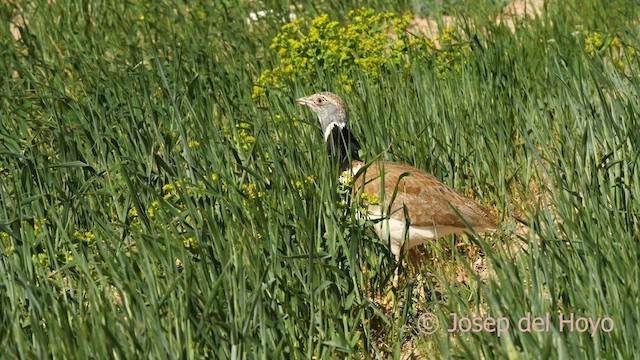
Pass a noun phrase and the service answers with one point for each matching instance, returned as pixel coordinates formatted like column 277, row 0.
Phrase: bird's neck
column 342, row 145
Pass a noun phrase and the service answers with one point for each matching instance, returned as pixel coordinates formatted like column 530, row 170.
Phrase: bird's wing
column 429, row 202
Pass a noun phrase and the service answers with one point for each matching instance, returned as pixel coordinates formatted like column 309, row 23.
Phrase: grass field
column 162, row 195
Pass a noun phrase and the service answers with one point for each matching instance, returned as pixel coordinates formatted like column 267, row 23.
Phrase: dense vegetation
column 162, row 195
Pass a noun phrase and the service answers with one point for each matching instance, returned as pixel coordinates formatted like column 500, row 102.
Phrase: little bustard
column 414, row 206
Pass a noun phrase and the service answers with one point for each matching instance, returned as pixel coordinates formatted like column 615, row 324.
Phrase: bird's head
column 333, row 116
column 330, row 109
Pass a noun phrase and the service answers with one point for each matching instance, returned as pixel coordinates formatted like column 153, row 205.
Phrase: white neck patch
column 329, row 128
column 354, row 169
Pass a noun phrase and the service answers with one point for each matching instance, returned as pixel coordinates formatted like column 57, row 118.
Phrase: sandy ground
column 516, row 11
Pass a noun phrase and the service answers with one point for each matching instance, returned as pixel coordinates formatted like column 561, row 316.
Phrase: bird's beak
column 304, row 101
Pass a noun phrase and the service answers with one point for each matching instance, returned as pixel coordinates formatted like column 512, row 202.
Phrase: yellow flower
column 194, row 144
column 167, row 188
column 251, row 191
column 89, row 236
column 258, row 92
column 243, row 125
column 40, row 259
column 346, row 179
column 68, row 255
column 631, row 51
column 369, row 199
column 133, row 213
column 189, row 242
column 615, row 42
column 592, row 42
column 318, row 21
column 37, row 223
column 369, row 41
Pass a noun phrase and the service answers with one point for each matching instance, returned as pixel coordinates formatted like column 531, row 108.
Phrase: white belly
column 396, row 233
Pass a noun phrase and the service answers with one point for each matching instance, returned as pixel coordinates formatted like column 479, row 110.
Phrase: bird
column 414, row 206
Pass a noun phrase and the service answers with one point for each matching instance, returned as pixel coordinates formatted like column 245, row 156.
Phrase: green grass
column 116, row 240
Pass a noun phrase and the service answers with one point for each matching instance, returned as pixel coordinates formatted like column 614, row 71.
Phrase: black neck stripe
column 343, row 146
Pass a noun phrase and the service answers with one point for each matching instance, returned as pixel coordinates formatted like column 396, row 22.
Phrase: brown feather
column 429, row 202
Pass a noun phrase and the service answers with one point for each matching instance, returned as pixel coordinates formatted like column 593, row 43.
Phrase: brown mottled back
column 429, row 201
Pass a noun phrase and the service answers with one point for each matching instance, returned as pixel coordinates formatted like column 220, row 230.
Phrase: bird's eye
column 320, row 100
